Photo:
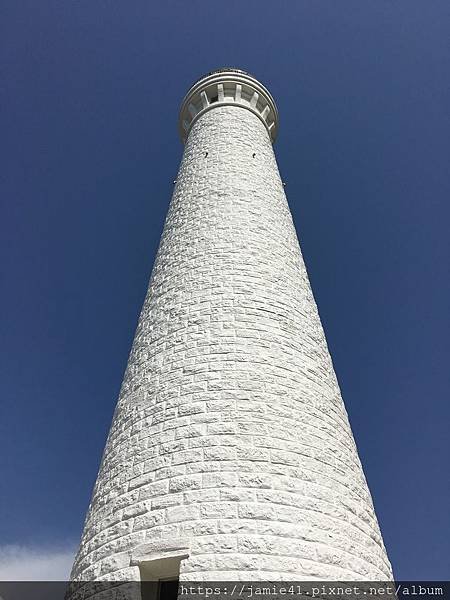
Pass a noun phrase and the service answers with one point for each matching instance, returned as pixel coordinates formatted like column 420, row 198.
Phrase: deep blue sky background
column 89, row 149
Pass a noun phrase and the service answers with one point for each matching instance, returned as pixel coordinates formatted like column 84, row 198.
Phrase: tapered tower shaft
column 230, row 454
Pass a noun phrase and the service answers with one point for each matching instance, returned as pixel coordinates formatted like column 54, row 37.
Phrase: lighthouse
column 230, row 455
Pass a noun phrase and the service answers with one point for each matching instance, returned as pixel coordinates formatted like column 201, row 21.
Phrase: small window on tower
column 163, row 589
column 159, row 577
column 168, row 589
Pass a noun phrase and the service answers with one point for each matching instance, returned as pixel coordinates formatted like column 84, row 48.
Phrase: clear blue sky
column 89, row 150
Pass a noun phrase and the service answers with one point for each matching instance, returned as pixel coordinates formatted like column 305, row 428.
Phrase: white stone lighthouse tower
column 230, row 455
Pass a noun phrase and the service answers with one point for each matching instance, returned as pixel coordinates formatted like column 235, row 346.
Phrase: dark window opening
column 149, row 590
column 214, row 98
column 167, row 589
column 163, row 589
column 254, row 154
column 159, row 577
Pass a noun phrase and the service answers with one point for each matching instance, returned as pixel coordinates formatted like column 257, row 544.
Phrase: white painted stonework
column 230, row 455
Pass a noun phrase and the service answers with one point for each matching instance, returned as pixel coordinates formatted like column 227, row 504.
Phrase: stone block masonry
column 230, row 441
